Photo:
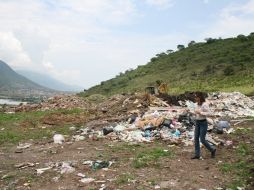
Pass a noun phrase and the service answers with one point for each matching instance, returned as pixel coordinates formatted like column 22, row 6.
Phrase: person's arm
column 205, row 110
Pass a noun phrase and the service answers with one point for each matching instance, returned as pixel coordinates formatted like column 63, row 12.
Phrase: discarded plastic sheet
column 87, row 180
column 42, row 170
column 58, row 139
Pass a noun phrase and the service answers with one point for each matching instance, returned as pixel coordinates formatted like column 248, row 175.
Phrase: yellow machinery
column 163, row 88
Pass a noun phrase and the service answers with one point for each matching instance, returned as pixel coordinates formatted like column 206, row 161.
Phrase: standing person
column 201, row 126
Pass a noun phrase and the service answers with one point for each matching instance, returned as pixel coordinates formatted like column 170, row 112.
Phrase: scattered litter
column 228, row 143
column 58, row 139
column 72, row 128
column 87, row 180
column 78, row 138
column 24, row 146
column 26, row 184
column 56, row 179
column 24, row 165
column 42, row 170
column 66, row 168
column 81, row 175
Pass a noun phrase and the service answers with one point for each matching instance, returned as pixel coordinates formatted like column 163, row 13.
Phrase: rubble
column 56, row 102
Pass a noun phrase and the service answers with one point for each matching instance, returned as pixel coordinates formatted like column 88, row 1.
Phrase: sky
column 84, row 42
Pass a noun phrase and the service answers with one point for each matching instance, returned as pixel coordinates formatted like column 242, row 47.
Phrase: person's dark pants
column 200, row 133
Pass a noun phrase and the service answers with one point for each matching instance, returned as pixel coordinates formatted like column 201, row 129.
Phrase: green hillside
column 214, row 65
column 15, row 85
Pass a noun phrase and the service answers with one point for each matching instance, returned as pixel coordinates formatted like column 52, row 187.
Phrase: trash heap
column 56, row 102
column 175, row 124
column 232, row 105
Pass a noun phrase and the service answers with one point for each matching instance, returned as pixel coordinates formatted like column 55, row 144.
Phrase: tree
column 191, row 43
column 242, row 38
column 180, row 47
column 153, row 59
column 161, row 54
column 251, row 35
column 169, row 51
column 210, row 40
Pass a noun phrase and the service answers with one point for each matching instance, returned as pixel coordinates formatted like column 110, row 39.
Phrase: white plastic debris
column 42, row 170
column 56, row 179
column 81, row 175
column 87, row 180
column 88, row 162
column 119, row 128
column 72, row 128
column 78, row 138
column 66, row 168
column 24, row 146
column 58, row 139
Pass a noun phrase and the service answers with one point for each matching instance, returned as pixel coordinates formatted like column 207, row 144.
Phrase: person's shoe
column 213, row 153
column 195, row 157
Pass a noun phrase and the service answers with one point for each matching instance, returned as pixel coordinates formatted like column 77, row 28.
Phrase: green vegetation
column 28, row 125
column 242, row 165
column 124, row 178
column 214, row 65
column 149, row 157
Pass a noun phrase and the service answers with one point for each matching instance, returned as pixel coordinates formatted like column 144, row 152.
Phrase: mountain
column 13, row 84
column 214, row 65
column 48, row 81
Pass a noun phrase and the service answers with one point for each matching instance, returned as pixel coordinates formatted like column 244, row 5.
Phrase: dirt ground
column 175, row 171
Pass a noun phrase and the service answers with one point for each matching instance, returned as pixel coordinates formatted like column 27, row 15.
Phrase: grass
column 150, row 157
column 126, row 147
column 244, row 149
column 243, row 164
column 27, row 125
column 124, row 178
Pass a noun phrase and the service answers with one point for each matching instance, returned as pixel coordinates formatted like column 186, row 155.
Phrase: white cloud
column 161, row 4
column 70, row 75
column 12, row 52
column 61, row 32
column 232, row 20
column 206, row 1
column 110, row 11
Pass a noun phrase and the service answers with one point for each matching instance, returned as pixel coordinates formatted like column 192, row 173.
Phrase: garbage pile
column 175, row 124
column 56, row 102
column 232, row 105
